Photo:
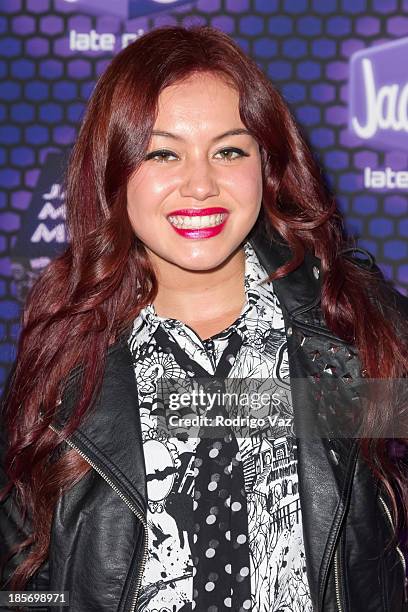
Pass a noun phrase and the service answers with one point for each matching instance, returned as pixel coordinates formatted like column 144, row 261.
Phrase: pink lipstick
column 184, row 221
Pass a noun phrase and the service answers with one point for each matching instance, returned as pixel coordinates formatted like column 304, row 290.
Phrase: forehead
column 201, row 99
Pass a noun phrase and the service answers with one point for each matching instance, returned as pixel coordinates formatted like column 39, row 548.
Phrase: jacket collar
column 301, row 288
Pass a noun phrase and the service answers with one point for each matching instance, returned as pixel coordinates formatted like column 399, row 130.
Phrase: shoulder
column 394, row 301
column 387, row 295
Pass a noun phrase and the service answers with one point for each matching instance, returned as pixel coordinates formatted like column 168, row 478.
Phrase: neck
column 197, row 297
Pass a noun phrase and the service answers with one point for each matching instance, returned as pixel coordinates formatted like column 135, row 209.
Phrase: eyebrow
column 236, row 132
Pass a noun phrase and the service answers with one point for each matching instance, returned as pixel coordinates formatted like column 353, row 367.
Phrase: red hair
column 89, row 296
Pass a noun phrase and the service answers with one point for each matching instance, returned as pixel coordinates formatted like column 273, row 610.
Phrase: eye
column 239, row 152
column 161, row 156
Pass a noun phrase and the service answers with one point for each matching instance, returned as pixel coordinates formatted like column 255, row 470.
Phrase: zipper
column 331, row 550
column 139, row 515
column 337, row 578
column 399, row 551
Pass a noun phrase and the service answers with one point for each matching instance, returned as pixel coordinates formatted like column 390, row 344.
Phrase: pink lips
column 203, row 232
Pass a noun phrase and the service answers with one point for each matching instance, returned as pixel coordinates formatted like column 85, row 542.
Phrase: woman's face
column 198, row 193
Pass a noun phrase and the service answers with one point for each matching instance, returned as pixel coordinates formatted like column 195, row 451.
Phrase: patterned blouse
column 267, row 456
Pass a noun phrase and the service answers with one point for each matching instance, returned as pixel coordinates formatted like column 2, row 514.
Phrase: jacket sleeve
column 12, row 528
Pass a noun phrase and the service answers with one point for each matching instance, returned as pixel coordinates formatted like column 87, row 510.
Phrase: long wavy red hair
column 89, row 296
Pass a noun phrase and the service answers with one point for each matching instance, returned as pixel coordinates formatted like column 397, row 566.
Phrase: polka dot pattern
column 221, row 550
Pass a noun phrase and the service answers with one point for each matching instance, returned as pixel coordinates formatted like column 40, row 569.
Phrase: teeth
column 198, row 221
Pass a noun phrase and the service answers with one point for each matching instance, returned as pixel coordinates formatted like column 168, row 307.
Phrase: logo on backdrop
column 379, row 105
column 379, row 94
column 92, row 40
column 42, row 234
column 125, row 9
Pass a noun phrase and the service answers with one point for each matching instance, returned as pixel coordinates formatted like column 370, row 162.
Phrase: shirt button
column 316, row 272
column 289, row 331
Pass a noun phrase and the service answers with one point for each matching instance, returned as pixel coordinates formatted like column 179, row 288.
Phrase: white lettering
column 388, row 178
column 43, row 233
column 386, row 109
column 129, row 37
column 48, row 211
column 54, row 193
column 91, row 41
column 276, row 400
column 184, row 399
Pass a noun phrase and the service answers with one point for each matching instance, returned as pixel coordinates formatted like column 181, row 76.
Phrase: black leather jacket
column 98, row 545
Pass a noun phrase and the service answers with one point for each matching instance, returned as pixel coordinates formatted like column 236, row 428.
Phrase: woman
column 203, row 247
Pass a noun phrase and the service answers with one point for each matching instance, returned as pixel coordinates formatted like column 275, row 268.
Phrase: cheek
column 150, row 188
column 247, row 186
column 140, row 197
column 145, row 210
column 137, row 208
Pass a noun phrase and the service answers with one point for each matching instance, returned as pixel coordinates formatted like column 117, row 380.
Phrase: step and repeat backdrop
column 340, row 64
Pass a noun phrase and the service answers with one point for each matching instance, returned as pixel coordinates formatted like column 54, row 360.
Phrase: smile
column 197, row 222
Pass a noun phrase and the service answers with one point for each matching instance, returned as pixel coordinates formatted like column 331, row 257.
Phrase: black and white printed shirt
column 268, row 455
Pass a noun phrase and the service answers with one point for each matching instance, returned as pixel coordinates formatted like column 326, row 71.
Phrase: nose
column 199, row 181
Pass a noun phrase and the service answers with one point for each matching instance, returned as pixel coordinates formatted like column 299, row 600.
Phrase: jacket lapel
column 300, row 288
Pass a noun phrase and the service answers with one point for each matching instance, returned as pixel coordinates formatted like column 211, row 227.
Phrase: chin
column 208, row 255
column 199, row 264
column 198, row 257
